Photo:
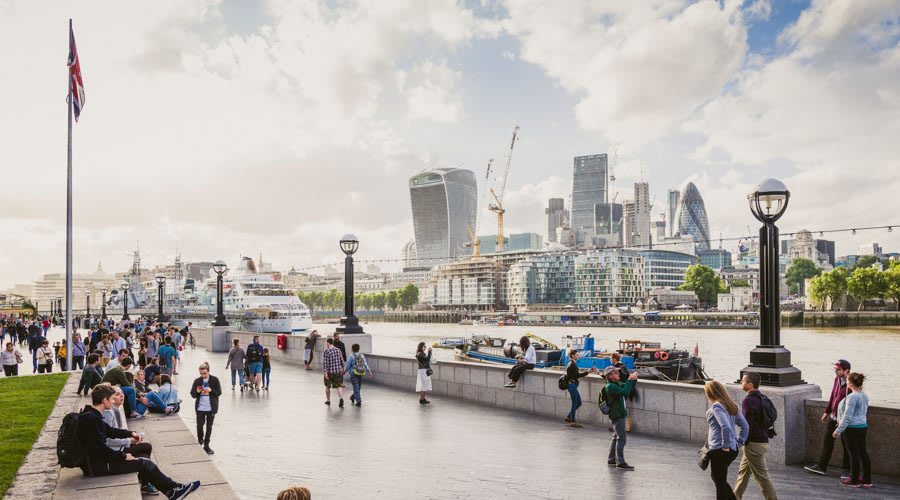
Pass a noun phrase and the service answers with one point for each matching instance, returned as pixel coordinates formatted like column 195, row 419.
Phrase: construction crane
column 476, row 251
column 497, row 207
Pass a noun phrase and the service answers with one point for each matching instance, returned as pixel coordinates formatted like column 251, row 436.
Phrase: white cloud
column 431, row 93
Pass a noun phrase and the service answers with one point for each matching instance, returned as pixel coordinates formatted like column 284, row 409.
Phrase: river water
column 872, row 351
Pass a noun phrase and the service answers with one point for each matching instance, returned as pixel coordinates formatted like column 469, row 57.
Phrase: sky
column 236, row 127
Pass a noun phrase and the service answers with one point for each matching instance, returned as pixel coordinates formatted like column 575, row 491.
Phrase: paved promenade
column 392, row 447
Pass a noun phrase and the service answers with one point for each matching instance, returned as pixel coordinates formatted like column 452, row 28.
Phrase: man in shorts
column 309, row 347
column 333, row 371
column 255, row 360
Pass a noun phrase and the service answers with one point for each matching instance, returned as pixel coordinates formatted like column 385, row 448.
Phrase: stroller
column 248, row 380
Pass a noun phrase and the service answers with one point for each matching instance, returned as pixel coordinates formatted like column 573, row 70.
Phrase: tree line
column 333, row 300
column 862, row 284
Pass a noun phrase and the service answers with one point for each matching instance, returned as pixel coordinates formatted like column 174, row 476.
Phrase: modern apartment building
column 546, row 278
column 665, row 268
column 609, row 278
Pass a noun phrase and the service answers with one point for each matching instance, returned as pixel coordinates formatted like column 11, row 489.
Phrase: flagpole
column 68, row 319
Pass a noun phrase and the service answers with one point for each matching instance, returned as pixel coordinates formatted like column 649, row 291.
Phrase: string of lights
column 821, row 232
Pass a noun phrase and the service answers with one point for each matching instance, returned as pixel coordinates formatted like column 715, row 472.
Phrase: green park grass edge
column 25, row 405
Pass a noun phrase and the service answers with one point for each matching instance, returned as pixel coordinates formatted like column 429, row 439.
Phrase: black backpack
column 768, row 415
column 68, row 453
column 253, row 354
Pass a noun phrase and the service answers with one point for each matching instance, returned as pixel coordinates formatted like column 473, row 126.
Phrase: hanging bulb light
column 890, row 229
column 854, row 231
column 821, row 234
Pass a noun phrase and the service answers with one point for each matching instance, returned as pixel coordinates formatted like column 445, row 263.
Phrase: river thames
column 872, row 351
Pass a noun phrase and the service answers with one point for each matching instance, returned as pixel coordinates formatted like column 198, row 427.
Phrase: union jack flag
column 76, row 85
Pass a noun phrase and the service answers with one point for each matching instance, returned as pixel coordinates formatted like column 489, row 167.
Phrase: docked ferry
column 258, row 300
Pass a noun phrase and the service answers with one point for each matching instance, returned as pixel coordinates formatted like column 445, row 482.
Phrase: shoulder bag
column 703, row 457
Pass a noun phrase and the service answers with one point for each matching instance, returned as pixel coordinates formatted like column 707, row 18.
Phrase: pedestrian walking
column 754, row 460
column 79, row 351
column 572, row 376
column 524, row 361
column 61, row 354
column 333, row 371
column 10, row 358
column 357, row 367
column 266, row 368
column 309, row 347
column 254, row 358
column 45, row 357
column 235, row 362
column 853, row 427
column 166, row 356
column 35, row 341
column 722, row 441
column 838, row 393
column 206, row 390
column 614, row 394
column 423, row 379
column 142, row 353
column 340, row 345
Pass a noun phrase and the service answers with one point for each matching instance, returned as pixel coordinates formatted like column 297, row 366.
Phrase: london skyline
column 198, row 117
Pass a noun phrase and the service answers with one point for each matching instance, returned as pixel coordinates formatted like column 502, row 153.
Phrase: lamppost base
column 773, row 364
column 126, row 317
column 220, row 321
column 349, row 325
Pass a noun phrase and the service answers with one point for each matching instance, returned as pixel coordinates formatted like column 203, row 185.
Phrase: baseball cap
column 843, row 364
column 608, row 370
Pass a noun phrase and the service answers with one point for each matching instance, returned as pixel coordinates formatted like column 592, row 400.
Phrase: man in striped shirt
column 333, row 371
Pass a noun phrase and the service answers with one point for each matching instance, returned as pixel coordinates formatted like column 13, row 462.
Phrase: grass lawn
column 25, row 404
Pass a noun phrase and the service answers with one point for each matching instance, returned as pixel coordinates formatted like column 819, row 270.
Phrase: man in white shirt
column 117, row 361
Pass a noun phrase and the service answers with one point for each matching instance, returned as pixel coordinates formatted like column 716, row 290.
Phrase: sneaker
column 866, row 485
column 328, row 402
column 266, row 388
column 341, row 403
column 567, row 420
column 208, row 450
column 845, row 474
column 242, row 388
column 510, row 384
column 352, row 398
column 815, row 469
column 624, row 466
column 424, row 402
column 232, row 387
column 611, row 463
column 851, row 483
column 149, row 490
column 359, row 403
column 575, row 424
column 183, row 490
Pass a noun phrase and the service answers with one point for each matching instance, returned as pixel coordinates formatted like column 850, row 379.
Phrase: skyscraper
column 629, row 224
column 444, row 202
column 589, row 187
column 642, row 213
column 692, row 220
column 671, row 212
column 557, row 216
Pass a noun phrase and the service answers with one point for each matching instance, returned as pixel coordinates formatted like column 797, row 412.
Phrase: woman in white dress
column 423, row 380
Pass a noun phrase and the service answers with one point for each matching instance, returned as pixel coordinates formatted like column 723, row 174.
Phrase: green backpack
column 359, row 366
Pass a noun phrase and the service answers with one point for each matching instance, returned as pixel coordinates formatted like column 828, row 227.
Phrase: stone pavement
column 392, row 447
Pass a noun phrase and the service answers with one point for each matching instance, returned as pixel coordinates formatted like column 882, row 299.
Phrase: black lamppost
column 59, row 310
column 37, row 308
column 770, row 359
column 349, row 323
column 219, row 267
column 87, row 301
column 161, row 281
column 103, row 291
column 125, row 286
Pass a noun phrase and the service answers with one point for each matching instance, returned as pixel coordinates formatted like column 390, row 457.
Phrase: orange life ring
column 656, row 355
column 664, row 355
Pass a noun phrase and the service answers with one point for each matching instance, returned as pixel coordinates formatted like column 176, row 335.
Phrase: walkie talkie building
column 444, row 202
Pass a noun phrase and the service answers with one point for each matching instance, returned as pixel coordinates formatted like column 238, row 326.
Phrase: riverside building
column 547, row 278
column 444, row 203
column 608, row 278
column 665, row 268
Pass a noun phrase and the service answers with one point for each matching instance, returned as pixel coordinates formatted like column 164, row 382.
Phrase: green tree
column 392, row 299
column 408, row 296
column 799, row 271
column 866, row 283
column 703, row 281
column 829, row 286
column 379, row 300
column 740, row 284
column 866, row 261
column 892, row 282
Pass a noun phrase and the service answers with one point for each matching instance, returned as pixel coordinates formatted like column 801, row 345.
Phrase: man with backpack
column 760, row 413
column 613, row 397
column 82, row 443
column 358, row 368
column 254, row 358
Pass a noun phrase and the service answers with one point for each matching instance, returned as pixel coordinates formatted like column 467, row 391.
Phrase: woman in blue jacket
column 853, row 425
column 722, row 417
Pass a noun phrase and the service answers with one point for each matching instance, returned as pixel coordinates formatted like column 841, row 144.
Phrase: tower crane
column 476, row 251
column 497, row 207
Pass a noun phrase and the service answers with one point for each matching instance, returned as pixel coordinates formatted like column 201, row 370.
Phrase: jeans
column 131, row 402
column 147, row 472
column 10, row 370
column 240, row 374
column 855, row 440
column 617, row 445
column 265, row 376
column 34, row 360
column 719, row 461
column 207, row 418
column 828, row 446
column 356, row 382
column 754, row 463
column 155, row 402
column 576, row 401
column 516, row 371
column 78, row 362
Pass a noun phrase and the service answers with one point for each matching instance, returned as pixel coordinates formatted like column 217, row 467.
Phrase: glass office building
column 589, row 187
column 665, row 268
column 542, row 279
column 692, row 220
column 444, row 202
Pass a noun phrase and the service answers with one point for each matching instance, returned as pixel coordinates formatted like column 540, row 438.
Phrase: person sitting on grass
column 90, row 376
column 101, row 460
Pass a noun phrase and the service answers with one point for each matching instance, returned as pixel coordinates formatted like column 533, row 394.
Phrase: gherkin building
column 692, row 220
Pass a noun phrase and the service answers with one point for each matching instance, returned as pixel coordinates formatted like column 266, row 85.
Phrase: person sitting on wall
column 525, row 361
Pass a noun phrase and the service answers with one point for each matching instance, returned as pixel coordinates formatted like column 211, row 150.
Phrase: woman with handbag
column 45, row 356
column 722, row 442
column 423, row 380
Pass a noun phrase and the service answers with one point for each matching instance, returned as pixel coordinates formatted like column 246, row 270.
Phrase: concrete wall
column 880, row 439
column 662, row 408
